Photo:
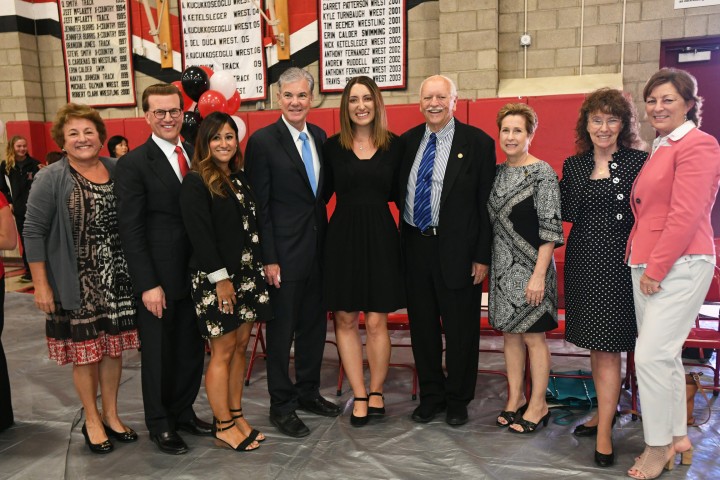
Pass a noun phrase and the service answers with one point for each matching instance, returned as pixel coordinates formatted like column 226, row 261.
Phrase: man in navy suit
column 157, row 249
column 445, row 177
column 284, row 164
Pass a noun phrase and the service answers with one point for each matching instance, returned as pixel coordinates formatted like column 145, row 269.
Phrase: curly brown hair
column 380, row 134
column 202, row 161
column 612, row 102
column 76, row 110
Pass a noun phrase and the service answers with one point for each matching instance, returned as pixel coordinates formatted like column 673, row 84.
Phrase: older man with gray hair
column 445, row 180
column 284, row 164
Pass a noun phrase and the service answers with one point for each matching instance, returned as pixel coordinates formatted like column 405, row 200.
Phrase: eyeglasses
column 611, row 122
column 174, row 113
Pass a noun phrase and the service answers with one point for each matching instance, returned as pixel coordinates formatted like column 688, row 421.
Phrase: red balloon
column 233, row 103
column 207, row 70
column 187, row 101
column 211, row 101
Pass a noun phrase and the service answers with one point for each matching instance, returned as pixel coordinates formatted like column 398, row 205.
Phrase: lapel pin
column 460, row 155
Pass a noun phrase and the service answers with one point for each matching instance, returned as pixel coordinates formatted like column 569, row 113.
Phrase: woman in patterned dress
column 524, row 208
column 228, row 284
column 80, row 274
column 595, row 193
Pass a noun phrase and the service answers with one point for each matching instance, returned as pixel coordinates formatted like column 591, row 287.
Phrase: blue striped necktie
column 308, row 161
column 422, row 213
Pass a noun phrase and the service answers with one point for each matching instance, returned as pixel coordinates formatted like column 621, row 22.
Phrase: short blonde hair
column 521, row 109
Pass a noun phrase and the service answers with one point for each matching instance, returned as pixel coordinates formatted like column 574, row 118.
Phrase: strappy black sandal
column 528, row 426
column 253, row 433
column 509, row 416
column 243, row 446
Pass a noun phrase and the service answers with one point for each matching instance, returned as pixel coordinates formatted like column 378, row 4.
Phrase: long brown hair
column 202, row 161
column 380, row 135
column 10, row 152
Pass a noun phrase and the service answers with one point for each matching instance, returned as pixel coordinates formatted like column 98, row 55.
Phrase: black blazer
column 214, row 224
column 291, row 219
column 151, row 228
column 465, row 234
column 21, row 179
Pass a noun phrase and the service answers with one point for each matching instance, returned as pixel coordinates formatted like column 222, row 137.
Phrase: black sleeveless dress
column 362, row 251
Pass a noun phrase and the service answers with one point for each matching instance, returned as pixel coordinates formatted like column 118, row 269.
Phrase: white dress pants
column 664, row 320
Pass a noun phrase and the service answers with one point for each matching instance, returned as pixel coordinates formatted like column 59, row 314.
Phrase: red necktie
column 182, row 161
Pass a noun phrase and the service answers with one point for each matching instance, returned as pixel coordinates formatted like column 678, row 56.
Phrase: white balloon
column 2, row 128
column 242, row 129
column 223, row 82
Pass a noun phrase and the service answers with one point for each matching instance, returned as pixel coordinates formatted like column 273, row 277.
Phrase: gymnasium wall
column 475, row 42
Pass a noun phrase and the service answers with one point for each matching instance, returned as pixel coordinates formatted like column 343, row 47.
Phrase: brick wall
column 555, row 29
column 475, row 42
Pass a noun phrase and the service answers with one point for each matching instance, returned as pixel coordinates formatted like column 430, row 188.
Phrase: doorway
column 707, row 73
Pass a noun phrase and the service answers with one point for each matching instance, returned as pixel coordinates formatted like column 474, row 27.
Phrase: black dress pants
column 434, row 309
column 173, row 356
column 298, row 316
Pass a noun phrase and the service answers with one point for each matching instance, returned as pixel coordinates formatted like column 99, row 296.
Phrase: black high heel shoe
column 253, row 433
column 128, row 436
column 376, row 411
column 359, row 421
column 510, row 416
column 584, row 431
column 604, row 460
column 528, row 426
column 243, row 446
column 102, row 447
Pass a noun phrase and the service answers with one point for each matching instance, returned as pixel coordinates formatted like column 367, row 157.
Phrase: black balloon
column 191, row 123
column 195, row 82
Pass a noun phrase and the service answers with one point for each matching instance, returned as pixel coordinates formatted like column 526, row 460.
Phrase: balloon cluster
column 205, row 91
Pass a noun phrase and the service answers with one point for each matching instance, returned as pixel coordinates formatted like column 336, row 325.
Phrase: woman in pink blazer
column 672, row 256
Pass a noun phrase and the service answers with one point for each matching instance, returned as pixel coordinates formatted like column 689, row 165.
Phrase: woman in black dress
column 228, row 284
column 16, row 177
column 362, row 254
column 595, row 192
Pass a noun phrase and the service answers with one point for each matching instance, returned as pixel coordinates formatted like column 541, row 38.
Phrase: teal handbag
column 570, row 394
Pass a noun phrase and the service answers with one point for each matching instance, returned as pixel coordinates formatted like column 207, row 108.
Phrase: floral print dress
column 253, row 300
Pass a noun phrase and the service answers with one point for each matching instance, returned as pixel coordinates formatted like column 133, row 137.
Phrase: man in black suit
column 445, row 181
column 147, row 185
column 284, row 164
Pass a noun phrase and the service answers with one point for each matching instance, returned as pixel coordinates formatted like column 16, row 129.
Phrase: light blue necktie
column 422, row 213
column 308, row 161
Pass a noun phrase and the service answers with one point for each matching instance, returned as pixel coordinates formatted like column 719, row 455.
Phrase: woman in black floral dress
column 228, row 284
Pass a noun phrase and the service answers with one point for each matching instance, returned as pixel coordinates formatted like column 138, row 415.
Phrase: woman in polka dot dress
column 595, row 191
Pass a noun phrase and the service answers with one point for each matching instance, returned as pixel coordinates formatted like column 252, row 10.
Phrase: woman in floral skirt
column 228, row 286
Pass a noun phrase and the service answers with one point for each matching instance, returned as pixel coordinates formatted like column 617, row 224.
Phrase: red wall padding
column 553, row 142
